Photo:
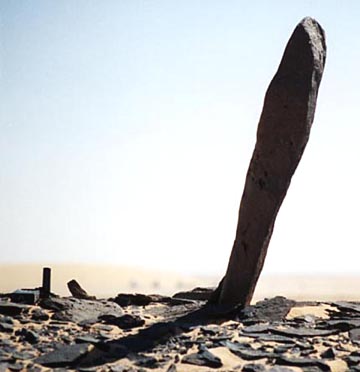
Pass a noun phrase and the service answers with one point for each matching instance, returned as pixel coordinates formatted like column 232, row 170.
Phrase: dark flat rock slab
column 343, row 324
column 211, row 330
column 77, row 310
column 5, row 357
column 234, row 346
column 6, row 328
column 347, row 306
column 281, row 349
column 137, row 299
column 145, row 361
column 203, row 358
column 28, row 335
column 128, row 299
column 102, row 353
column 303, row 362
column 252, row 354
column 86, row 340
column 198, row 294
column 354, row 335
column 353, row 359
column 251, row 367
column 6, row 319
column 64, row 356
column 270, row 337
column 54, row 303
column 269, row 310
column 245, row 351
column 257, row 328
column 303, row 332
column 39, row 314
column 126, row 321
column 16, row 366
column 172, row 313
column 12, row 309
column 24, row 355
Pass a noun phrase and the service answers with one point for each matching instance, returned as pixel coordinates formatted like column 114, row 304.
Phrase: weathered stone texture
column 282, row 135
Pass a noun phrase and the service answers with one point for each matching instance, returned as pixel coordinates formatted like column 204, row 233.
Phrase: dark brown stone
column 303, row 332
column 172, row 368
column 350, row 307
column 46, row 284
column 6, row 328
column 78, row 292
column 12, row 309
column 268, row 310
column 63, row 356
column 251, row 367
column 282, row 135
column 137, row 299
column 343, row 324
column 354, row 335
column 203, row 358
column 303, row 362
column 126, row 321
column 329, row 353
column 198, row 294
column 253, row 354
column 127, row 299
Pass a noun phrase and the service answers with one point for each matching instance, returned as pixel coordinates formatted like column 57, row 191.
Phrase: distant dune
column 107, row 280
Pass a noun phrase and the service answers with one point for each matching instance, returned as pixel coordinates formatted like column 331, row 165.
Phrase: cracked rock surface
column 154, row 333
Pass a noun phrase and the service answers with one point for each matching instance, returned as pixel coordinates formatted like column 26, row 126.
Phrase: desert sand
column 106, row 281
column 101, row 335
column 177, row 335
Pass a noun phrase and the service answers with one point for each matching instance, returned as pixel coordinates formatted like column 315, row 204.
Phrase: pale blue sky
column 127, row 128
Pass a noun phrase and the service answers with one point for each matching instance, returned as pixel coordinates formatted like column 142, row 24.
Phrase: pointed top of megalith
column 316, row 36
column 305, row 50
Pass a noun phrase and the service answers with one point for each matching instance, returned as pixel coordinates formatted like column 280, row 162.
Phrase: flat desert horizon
column 108, row 280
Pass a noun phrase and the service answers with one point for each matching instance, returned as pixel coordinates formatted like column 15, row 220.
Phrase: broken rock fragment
column 203, row 358
column 78, row 292
column 64, row 356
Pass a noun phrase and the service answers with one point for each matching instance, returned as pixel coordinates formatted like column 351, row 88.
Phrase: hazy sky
column 127, row 128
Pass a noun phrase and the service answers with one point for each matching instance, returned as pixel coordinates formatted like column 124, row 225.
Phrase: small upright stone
column 78, row 292
column 46, row 283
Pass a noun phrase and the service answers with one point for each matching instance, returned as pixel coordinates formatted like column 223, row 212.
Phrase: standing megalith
column 282, row 135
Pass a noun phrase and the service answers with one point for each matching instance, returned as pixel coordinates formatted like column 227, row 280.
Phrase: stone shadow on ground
column 158, row 334
column 165, row 334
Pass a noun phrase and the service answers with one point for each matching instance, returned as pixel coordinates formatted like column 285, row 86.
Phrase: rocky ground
column 156, row 333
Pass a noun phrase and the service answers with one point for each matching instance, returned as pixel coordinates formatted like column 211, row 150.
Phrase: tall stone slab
column 282, row 135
